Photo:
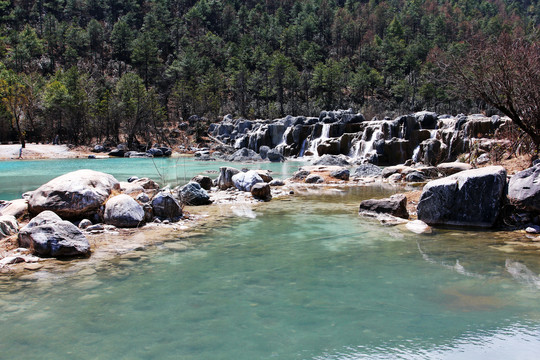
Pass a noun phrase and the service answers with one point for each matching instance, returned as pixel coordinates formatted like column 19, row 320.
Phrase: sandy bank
column 41, row 151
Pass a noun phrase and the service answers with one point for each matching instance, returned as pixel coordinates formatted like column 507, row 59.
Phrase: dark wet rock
column 342, row 174
column 73, row 195
column 165, row 206
column 314, row 179
column 261, row 191
column 468, row 198
column 395, row 205
column 117, row 153
column 166, row 151
column 8, row 226
column 245, row 155
column 123, row 211
column 453, row 168
column 301, row 175
column 132, row 179
column 263, row 151
column 331, row 160
column 84, row 223
column 155, row 152
column 367, row 170
column 524, row 189
column 99, row 149
column 224, row 180
column 48, row 235
column 193, row 194
column 143, row 197
column 276, row 182
column 415, row 176
column 265, row 175
column 204, row 181
column 275, row 156
column 244, row 181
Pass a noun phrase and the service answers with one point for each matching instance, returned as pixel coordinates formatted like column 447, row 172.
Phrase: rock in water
column 73, row 195
column 204, row 181
column 468, row 198
column 123, row 212
column 8, row 225
column 275, row 156
column 244, row 181
column 395, row 205
column 261, row 191
column 165, row 206
column 193, row 194
column 342, row 174
column 245, row 155
column 224, row 180
column 48, row 235
column 333, row 160
column 524, row 189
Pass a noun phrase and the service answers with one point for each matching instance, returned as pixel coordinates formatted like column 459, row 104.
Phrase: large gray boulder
column 8, row 226
column 367, row 170
column 124, row 212
column 468, row 198
column 48, row 235
column 275, row 156
column 524, row 189
column 74, row 195
column 333, row 160
column 395, row 205
column 224, row 180
column 245, row 155
column 193, row 194
column 243, row 181
column 165, row 206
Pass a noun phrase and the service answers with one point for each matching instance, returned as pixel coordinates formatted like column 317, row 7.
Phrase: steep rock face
column 73, row 195
column 48, row 235
column 424, row 136
column 468, row 198
column 524, row 189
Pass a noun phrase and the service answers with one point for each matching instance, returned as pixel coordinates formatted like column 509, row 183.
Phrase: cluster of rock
column 122, row 151
column 472, row 198
column 90, row 199
column 421, row 137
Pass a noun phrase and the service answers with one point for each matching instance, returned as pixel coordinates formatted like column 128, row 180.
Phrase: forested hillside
column 123, row 70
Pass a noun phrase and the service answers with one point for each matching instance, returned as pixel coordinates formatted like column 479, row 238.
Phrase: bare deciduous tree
column 505, row 73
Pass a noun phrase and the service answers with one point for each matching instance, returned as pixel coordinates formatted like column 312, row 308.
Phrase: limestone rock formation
column 468, row 198
column 244, row 181
column 524, row 189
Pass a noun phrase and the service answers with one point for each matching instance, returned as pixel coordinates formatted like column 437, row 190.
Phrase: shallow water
column 305, row 279
column 18, row 177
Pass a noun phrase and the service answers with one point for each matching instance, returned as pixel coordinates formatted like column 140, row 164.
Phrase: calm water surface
column 306, row 279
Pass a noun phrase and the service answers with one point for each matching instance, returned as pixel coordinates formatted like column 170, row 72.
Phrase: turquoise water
column 17, row 177
column 306, row 279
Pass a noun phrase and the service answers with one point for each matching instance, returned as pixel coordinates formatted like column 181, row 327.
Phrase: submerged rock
column 73, row 195
column 395, row 205
column 468, row 198
column 48, row 235
column 123, row 212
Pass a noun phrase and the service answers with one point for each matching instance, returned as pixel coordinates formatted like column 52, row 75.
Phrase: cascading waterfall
column 325, row 134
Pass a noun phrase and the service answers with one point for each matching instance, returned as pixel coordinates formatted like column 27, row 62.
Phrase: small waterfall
column 283, row 142
column 325, row 134
column 303, row 148
column 415, row 154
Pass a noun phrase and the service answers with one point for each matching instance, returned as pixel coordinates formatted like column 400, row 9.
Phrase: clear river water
column 305, row 279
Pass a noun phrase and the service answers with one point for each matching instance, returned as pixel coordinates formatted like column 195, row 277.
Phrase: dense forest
column 131, row 70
